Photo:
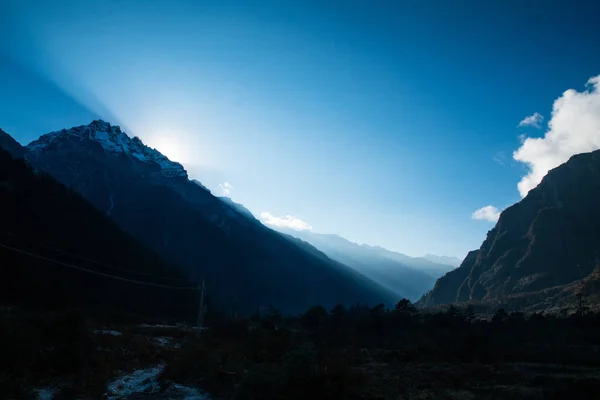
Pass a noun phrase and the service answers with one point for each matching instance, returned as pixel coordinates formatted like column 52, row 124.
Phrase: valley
column 299, row 200
column 91, row 311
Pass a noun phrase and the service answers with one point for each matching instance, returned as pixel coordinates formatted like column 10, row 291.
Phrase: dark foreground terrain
column 356, row 353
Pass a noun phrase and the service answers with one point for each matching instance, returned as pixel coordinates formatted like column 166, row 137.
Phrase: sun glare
column 169, row 145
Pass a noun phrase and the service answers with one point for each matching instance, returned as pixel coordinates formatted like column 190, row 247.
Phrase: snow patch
column 180, row 327
column 189, row 393
column 167, row 342
column 142, row 380
column 46, row 393
column 145, row 381
column 108, row 332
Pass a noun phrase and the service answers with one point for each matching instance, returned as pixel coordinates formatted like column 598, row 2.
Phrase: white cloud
column 533, row 120
column 487, row 213
column 288, row 221
column 574, row 128
column 226, row 188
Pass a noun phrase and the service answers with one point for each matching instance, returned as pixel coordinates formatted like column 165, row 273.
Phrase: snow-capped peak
column 113, row 141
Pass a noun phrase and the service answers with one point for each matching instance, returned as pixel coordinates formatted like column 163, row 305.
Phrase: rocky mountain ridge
column 245, row 264
column 113, row 141
column 549, row 239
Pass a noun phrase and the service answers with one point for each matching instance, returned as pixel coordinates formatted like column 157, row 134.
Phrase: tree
column 469, row 313
column 404, row 306
column 312, row 318
column 274, row 316
column 582, row 309
column 452, row 311
column 500, row 316
column 338, row 311
column 378, row 310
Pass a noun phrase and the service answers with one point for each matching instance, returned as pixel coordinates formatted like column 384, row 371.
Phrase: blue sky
column 387, row 122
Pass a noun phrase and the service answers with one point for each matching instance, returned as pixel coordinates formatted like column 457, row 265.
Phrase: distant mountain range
column 244, row 263
column 408, row 277
column 454, row 261
column 543, row 251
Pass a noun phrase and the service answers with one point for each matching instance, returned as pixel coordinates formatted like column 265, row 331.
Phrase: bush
column 303, row 374
column 38, row 348
column 211, row 364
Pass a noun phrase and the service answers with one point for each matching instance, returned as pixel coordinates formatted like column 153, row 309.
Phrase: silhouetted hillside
column 244, row 263
column 41, row 217
column 11, row 145
column 549, row 239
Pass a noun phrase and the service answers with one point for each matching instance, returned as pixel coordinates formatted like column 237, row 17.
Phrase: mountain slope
column 11, row 145
column 151, row 197
column 406, row 276
column 238, row 207
column 453, row 261
column 44, row 219
column 549, row 239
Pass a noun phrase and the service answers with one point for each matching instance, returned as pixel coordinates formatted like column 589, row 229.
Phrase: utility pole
column 200, row 310
column 581, row 306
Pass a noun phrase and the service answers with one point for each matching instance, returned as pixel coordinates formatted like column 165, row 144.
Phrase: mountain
column 243, row 262
column 238, row 207
column 434, row 269
column 546, row 242
column 11, row 145
column 407, row 277
column 446, row 260
column 57, row 251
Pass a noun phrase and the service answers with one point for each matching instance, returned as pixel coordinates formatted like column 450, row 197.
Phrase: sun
column 169, row 145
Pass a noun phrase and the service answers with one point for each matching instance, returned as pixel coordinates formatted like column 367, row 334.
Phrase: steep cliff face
column 446, row 288
column 548, row 239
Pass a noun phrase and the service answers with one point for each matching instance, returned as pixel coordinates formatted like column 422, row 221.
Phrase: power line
column 93, row 261
column 97, row 272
